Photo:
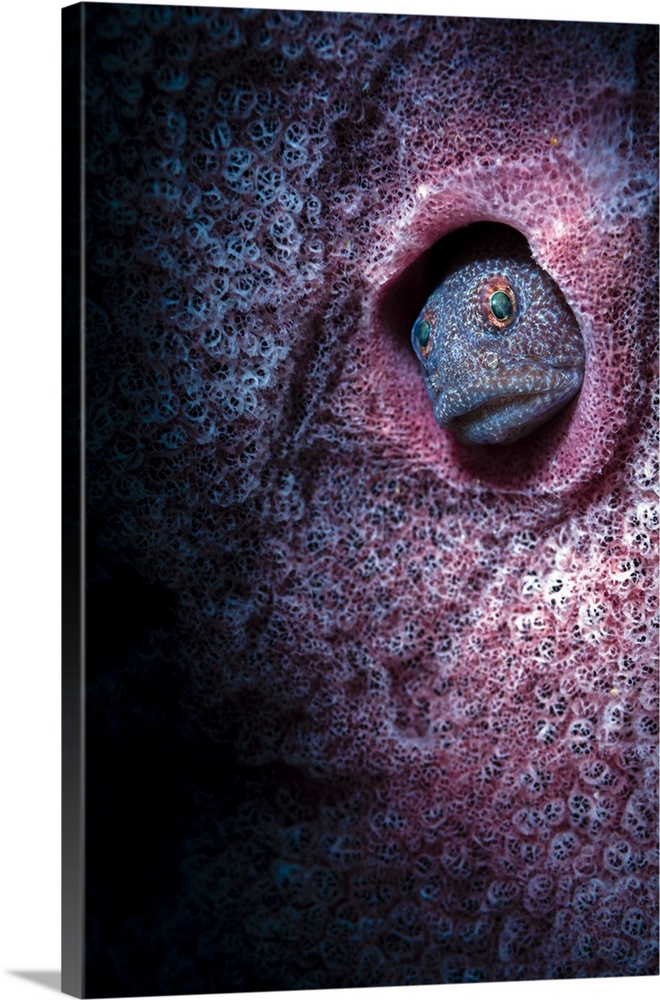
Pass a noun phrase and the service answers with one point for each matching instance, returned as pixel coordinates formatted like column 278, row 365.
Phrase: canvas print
column 360, row 535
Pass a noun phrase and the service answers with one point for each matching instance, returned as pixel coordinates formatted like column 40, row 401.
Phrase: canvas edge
column 73, row 507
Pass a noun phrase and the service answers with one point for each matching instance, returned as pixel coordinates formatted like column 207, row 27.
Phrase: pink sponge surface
column 459, row 641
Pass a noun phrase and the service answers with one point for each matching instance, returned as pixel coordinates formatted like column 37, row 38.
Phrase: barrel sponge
column 434, row 662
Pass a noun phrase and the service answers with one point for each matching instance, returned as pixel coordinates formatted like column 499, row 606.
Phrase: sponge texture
column 433, row 662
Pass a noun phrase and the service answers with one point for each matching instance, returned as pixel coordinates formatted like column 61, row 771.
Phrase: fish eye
column 422, row 333
column 501, row 305
column 498, row 303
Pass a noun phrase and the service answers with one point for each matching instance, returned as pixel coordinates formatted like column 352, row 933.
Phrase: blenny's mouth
column 507, row 408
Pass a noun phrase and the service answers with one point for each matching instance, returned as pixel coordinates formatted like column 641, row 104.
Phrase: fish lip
column 539, row 380
column 472, row 412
